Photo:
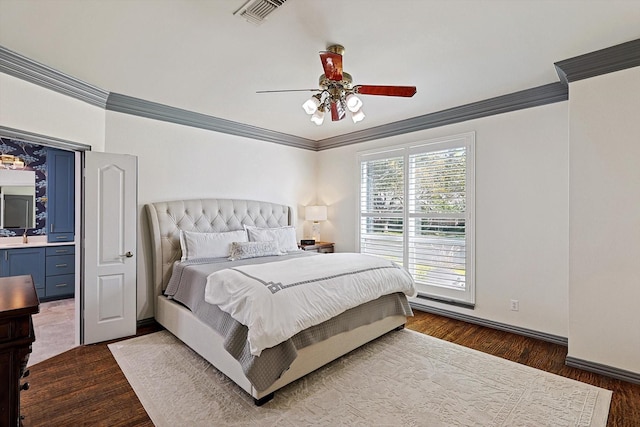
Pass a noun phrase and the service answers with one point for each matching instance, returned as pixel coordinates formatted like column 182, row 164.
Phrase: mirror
column 17, row 199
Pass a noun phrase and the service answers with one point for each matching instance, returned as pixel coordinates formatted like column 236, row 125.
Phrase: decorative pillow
column 209, row 245
column 285, row 236
column 242, row 250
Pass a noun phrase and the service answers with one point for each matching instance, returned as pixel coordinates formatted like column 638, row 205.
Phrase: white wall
column 179, row 162
column 604, row 284
column 173, row 161
column 29, row 107
column 521, row 212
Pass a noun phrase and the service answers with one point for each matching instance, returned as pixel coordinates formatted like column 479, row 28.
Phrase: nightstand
column 321, row 247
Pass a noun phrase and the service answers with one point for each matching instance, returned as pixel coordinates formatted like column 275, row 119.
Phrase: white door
column 109, row 246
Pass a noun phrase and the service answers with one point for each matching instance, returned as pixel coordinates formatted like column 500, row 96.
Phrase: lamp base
column 315, row 231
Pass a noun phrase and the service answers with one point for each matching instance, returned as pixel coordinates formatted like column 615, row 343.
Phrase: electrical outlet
column 515, row 305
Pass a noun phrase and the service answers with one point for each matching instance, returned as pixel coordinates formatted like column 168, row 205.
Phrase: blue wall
column 35, row 158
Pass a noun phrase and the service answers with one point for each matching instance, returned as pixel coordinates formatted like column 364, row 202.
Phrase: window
column 416, row 208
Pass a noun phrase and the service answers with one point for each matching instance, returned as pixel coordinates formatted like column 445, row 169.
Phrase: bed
column 183, row 317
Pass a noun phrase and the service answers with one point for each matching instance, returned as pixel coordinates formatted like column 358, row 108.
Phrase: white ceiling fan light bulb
column 353, row 103
column 311, row 105
column 357, row 116
column 317, row 117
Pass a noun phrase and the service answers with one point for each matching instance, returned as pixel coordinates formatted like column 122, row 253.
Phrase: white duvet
column 279, row 299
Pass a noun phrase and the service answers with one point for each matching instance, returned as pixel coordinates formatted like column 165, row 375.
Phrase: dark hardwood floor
column 85, row 387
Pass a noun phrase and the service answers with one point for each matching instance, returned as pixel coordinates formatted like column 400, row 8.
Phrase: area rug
column 402, row 379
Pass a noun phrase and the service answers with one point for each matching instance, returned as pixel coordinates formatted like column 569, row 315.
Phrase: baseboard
column 491, row 324
column 608, row 371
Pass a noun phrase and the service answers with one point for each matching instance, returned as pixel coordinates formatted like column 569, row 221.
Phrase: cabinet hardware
column 61, row 285
column 61, row 265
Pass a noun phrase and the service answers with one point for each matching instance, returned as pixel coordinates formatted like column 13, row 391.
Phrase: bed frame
column 166, row 219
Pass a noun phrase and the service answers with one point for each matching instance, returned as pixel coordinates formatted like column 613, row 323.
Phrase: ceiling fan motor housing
column 326, row 83
column 336, row 48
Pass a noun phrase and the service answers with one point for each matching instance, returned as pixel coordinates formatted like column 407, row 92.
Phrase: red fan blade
column 407, row 91
column 332, row 64
column 337, row 111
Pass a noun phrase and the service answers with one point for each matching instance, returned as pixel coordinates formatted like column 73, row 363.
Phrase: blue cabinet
column 60, row 195
column 22, row 261
column 52, row 269
column 60, row 271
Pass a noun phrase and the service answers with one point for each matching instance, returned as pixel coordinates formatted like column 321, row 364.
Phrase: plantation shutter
column 382, row 206
column 416, row 208
column 437, row 217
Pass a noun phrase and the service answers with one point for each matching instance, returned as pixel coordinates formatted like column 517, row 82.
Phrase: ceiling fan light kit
column 337, row 94
column 353, row 103
column 357, row 116
column 311, row 105
column 317, row 117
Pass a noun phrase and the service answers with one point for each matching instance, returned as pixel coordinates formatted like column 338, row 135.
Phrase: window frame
column 466, row 140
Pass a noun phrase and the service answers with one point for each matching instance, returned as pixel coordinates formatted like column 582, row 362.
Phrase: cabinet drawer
column 60, row 285
column 61, row 237
column 5, row 330
column 15, row 328
column 63, row 264
column 61, row 250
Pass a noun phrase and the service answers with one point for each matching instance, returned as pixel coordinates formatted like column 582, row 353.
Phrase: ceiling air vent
column 256, row 11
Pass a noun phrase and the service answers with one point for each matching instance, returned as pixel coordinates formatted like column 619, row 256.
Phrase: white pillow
column 285, row 236
column 242, row 250
column 209, row 245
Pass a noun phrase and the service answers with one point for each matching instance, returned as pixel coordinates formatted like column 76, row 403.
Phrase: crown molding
column 534, row 97
column 619, row 57
column 21, row 135
column 19, row 66
column 603, row 61
column 153, row 110
column 16, row 65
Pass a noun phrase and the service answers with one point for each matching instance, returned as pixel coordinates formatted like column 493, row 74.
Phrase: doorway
column 102, row 273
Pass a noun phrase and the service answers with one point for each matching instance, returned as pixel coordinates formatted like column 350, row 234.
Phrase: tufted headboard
column 166, row 219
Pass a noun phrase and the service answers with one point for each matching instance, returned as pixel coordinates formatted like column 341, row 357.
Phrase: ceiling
column 196, row 55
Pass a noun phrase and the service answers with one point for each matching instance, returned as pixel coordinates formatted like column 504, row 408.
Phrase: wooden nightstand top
column 324, row 247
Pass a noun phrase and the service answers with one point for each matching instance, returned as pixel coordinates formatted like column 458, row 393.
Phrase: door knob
column 129, row 254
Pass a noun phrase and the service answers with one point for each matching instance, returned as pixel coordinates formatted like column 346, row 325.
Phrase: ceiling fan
column 337, row 94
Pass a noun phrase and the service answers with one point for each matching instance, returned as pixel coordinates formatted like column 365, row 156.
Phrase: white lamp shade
column 315, row 213
column 311, row 105
column 317, row 117
column 357, row 116
column 353, row 103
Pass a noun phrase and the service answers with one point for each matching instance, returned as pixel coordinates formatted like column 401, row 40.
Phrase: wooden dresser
column 18, row 302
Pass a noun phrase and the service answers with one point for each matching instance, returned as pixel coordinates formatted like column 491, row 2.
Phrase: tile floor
column 54, row 328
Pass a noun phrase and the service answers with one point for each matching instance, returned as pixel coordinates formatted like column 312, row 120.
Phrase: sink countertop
column 33, row 241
